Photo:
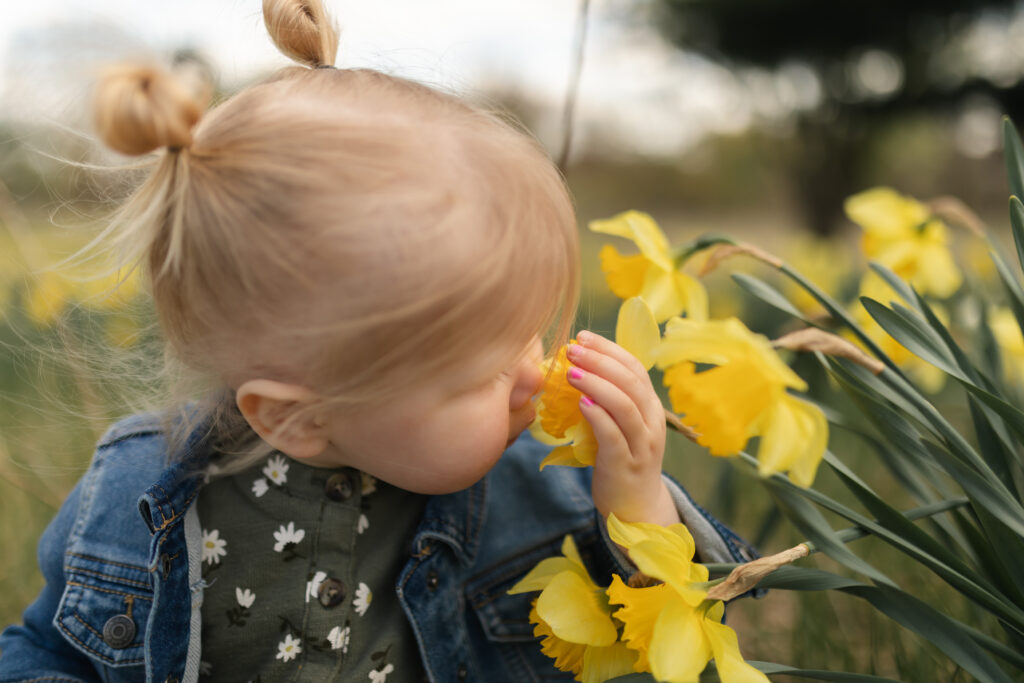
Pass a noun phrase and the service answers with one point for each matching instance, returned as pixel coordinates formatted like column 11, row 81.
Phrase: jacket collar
column 454, row 519
column 167, row 501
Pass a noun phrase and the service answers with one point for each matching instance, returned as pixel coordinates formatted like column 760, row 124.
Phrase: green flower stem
column 856, row 532
column 942, row 427
column 836, row 311
column 684, row 252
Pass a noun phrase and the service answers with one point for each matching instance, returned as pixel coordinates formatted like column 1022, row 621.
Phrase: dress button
column 119, row 631
column 462, row 672
column 331, row 592
column 432, row 580
column 339, row 487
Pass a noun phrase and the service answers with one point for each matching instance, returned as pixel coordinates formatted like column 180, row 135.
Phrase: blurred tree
column 864, row 63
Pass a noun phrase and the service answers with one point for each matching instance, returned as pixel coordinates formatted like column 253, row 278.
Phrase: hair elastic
column 325, row 66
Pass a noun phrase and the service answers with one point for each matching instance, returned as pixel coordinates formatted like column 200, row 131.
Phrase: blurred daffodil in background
column 872, row 286
column 902, row 234
column 743, row 395
column 1008, row 336
column 573, row 618
column 652, row 274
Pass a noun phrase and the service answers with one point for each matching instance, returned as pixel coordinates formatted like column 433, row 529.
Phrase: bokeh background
column 741, row 117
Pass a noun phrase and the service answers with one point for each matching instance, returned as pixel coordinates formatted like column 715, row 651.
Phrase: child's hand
column 628, row 421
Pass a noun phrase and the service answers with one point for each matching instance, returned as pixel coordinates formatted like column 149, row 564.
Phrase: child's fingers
column 611, row 441
column 637, row 387
column 619, row 407
column 592, row 340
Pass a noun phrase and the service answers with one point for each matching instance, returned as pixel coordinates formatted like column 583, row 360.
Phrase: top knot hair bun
column 139, row 109
column 303, row 30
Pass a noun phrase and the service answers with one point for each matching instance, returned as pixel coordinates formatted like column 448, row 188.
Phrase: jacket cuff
column 713, row 540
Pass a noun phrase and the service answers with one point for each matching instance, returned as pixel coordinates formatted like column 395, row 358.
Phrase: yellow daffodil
column 573, row 619
column 559, row 421
column 903, row 235
column 673, row 626
column 47, row 298
column 742, row 396
column 651, row 274
column 874, row 287
column 1005, row 329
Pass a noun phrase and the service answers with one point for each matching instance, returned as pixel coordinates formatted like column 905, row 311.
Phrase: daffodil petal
column 695, row 296
column 629, row 534
column 638, row 614
column 679, row 650
column 570, row 551
column 568, row 656
column 602, row 664
column 642, row 230
column 563, row 455
column 732, row 668
column 937, row 273
column 573, row 611
column 624, row 274
column 540, row 576
column 884, row 212
column 538, row 433
column 637, row 331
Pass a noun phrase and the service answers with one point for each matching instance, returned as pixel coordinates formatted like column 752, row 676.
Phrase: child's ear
column 268, row 407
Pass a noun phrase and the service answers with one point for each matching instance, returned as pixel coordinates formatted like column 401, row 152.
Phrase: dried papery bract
column 955, row 211
column 812, row 339
column 721, row 253
column 748, row 575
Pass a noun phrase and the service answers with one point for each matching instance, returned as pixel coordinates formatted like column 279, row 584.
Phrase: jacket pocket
column 104, row 609
column 504, row 617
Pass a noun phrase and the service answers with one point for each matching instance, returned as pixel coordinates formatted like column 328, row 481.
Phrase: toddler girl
column 361, row 269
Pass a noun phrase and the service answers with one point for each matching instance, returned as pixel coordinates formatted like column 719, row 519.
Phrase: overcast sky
column 649, row 95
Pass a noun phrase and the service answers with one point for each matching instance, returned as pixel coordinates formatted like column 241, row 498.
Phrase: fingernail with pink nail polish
column 587, row 401
column 574, row 350
column 575, row 373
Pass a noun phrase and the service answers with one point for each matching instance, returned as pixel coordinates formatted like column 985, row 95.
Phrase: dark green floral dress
column 299, row 564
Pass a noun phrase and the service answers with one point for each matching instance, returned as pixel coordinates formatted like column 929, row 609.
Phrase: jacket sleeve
column 35, row 650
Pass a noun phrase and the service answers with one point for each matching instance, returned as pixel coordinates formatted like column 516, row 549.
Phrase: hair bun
column 303, row 30
column 141, row 108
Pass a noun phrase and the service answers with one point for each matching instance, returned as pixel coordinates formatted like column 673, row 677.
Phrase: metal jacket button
column 119, row 631
column 462, row 673
column 432, row 580
column 339, row 487
column 331, row 592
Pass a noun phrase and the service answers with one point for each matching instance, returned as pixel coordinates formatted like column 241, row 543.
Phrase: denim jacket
column 122, row 559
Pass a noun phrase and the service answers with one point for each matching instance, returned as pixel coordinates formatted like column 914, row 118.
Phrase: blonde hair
column 343, row 229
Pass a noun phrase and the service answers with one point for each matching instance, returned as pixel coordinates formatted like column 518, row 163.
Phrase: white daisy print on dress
column 245, row 597
column 382, row 675
column 363, row 524
column 338, row 638
column 288, row 536
column 364, row 596
column 259, row 487
column 289, row 648
column 313, row 585
column 277, row 470
column 213, row 546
